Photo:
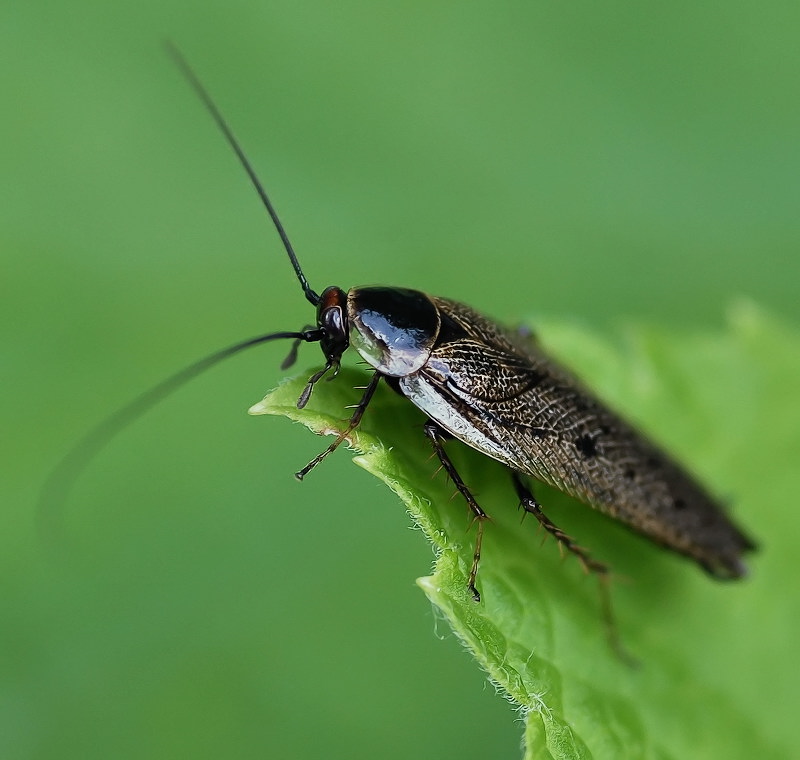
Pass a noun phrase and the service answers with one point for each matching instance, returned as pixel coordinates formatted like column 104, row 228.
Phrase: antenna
column 202, row 93
column 63, row 476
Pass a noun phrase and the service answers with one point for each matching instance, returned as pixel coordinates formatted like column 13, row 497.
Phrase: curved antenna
column 62, row 478
column 201, row 91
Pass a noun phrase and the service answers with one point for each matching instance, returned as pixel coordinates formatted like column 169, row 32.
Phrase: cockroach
column 490, row 388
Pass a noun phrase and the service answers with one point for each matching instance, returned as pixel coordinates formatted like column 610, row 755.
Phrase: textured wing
column 513, row 403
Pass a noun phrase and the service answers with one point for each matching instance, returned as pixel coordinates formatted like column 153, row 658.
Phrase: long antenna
column 201, row 91
column 63, row 476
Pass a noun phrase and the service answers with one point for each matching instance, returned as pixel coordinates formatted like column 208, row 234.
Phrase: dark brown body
column 496, row 393
column 506, row 398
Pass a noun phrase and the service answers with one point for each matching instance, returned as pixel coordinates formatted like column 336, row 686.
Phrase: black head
column 332, row 323
column 331, row 332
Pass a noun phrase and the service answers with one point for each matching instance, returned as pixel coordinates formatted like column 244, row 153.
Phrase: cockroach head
column 332, row 323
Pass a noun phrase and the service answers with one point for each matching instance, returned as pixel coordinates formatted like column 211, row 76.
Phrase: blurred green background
column 584, row 160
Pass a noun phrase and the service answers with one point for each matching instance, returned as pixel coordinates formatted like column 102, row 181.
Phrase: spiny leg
column 531, row 506
column 351, row 425
column 437, row 437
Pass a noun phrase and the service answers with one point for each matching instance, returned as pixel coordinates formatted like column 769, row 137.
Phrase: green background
column 590, row 161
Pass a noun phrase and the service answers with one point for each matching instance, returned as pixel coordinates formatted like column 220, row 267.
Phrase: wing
column 510, row 401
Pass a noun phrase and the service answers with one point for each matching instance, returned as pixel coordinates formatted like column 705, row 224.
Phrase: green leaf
column 709, row 652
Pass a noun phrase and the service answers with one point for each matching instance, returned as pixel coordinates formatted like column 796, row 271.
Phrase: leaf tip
column 262, row 407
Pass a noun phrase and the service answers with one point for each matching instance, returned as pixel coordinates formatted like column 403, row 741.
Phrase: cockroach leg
column 351, row 426
column 437, row 438
column 529, row 503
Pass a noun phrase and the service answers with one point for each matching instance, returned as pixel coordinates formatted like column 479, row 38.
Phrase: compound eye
column 333, row 320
